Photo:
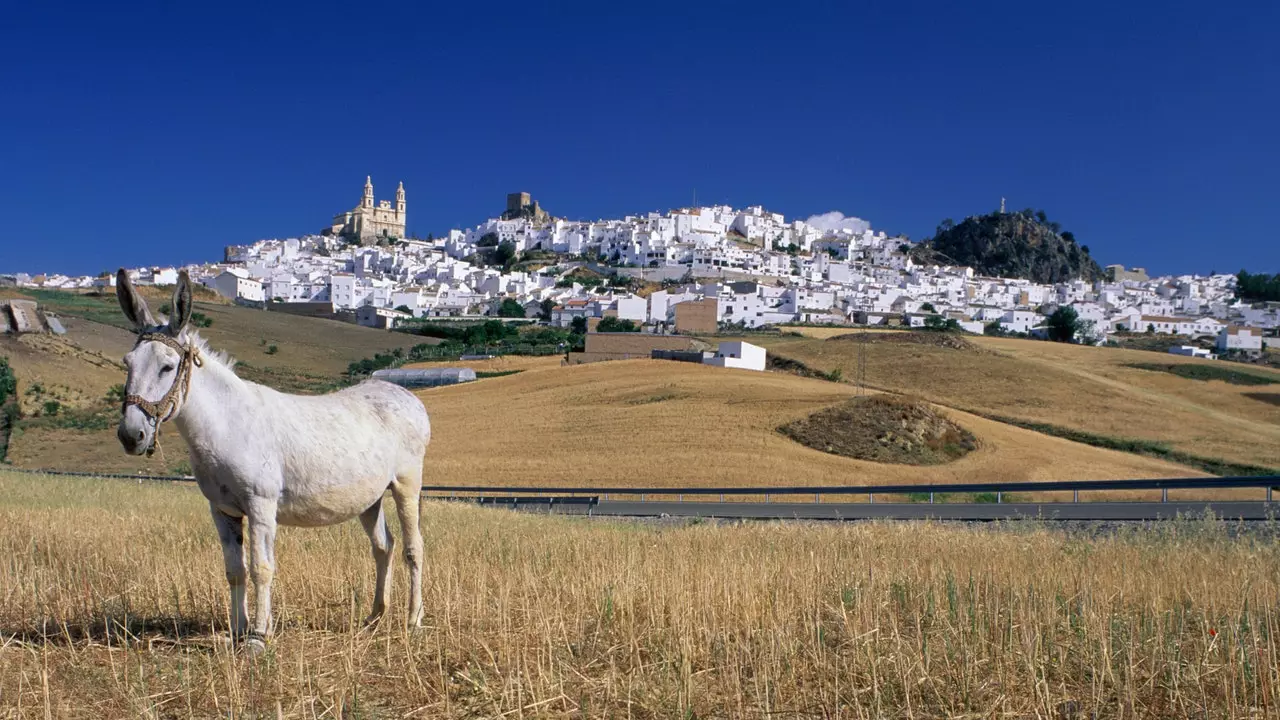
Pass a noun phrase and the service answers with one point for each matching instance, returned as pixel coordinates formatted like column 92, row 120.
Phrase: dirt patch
column 779, row 363
column 932, row 339
column 883, row 428
column 1272, row 398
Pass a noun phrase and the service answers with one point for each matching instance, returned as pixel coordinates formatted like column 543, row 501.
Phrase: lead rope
column 165, row 407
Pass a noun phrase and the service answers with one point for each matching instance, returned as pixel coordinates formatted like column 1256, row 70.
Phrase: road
column 1101, row 511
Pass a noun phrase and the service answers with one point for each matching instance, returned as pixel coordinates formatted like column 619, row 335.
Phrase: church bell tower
column 400, row 202
column 368, row 192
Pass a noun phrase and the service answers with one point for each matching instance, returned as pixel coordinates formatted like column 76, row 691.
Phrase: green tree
column 613, row 324
column 488, row 240
column 510, row 309
column 1063, row 324
column 928, row 307
column 404, row 309
column 1258, row 286
column 939, row 323
column 546, row 306
column 505, row 253
column 578, row 325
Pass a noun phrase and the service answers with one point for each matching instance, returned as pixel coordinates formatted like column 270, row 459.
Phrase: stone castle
column 368, row 222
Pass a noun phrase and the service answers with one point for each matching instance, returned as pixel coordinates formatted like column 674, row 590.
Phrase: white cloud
column 835, row 220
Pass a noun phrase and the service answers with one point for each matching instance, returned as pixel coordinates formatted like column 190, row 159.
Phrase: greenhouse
column 432, row 377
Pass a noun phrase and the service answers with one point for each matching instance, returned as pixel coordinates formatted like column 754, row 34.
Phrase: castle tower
column 400, row 201
column 368, row 192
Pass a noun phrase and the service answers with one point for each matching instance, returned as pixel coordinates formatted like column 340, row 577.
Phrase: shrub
column 8, row 383
column 613, row 324
column 510, row 308
column 272, row 350
column 941, row 324
column 51, row 407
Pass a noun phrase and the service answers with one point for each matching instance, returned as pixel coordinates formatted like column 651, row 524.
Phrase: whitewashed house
column 235, row 284
column 738, row 354
column 1235, row 338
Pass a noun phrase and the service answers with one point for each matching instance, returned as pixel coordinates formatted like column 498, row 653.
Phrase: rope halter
column 167, row 406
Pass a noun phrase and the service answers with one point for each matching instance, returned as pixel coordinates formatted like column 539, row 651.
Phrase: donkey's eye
column 165, row 369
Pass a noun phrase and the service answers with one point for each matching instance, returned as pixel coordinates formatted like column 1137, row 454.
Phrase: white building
column 1239, row 339
column 738, row 355
column 235, row 284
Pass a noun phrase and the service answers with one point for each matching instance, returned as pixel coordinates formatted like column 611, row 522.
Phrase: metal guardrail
column 509, row 492
column 1267, row 482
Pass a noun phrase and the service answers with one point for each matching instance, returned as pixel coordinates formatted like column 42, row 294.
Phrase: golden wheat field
column 659, row 423
column 112, row 601
column 1087, row 388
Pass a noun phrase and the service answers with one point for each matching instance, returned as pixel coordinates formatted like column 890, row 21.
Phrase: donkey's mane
column 193, row 338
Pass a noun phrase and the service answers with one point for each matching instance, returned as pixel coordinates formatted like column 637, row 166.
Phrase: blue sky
column 159, row 133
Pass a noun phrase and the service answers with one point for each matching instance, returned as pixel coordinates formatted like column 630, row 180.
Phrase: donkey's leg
column 262, row 561
column 407, row 491
column 231, row 535
column 375, row 524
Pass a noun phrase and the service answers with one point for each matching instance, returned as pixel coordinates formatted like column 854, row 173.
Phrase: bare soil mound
column 883, row 428
column 931, row 338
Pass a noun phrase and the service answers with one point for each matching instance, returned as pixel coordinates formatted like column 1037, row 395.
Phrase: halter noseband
column 164, row 408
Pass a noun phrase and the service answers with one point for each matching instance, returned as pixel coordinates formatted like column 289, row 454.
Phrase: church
column 368, row 222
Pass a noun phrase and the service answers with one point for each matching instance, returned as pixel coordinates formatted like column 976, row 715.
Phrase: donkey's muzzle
column 133, row 438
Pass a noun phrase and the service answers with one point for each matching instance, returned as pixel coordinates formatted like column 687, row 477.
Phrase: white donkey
column 269, row 457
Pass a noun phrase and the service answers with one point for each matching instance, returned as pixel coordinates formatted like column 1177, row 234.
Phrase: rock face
column 1014, row 245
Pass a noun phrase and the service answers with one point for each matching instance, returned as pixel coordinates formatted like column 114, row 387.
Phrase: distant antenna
column 695, row 197
column 1001, row 206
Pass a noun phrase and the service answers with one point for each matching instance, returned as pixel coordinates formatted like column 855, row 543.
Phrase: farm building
column 426, row 377
column 738, row 355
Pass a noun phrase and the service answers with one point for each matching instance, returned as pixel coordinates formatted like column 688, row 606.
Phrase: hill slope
column 1016, row 245
column 1092, row 389
column 661, row 423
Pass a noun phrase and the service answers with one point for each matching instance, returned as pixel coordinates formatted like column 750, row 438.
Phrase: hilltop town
column 694, row 269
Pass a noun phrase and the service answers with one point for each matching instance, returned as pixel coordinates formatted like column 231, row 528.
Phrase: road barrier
column 509, row 494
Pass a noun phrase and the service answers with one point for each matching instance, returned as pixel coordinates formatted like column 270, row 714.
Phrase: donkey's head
column 160, row 365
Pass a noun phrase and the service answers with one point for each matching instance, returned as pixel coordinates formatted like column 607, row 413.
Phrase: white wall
column 738, row 355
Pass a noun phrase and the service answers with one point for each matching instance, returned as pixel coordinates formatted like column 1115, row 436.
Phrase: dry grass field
column 112, row 604
column 1074, row 386
column 660, row 423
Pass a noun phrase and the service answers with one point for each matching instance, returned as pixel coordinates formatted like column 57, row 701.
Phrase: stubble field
column 112, row 599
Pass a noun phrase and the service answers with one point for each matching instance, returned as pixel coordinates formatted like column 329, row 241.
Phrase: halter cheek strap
column 165, row 408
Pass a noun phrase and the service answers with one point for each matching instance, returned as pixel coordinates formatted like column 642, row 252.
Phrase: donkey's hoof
column 255, row 646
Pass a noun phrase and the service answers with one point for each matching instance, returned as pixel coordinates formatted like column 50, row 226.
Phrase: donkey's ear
column 134, row 307
column 181, row 313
